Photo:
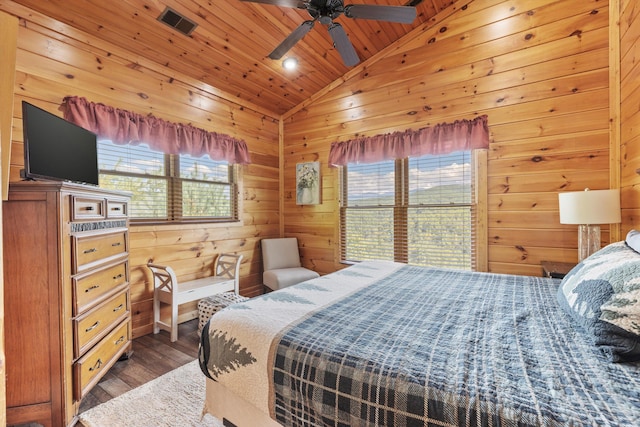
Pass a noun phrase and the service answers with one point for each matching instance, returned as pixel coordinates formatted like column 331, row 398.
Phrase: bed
column 389, row 344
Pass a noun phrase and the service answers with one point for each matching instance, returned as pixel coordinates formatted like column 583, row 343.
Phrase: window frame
column 175, row 191
column 478, row 206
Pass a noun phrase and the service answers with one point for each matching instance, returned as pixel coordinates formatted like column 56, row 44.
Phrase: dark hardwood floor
column 153, row 356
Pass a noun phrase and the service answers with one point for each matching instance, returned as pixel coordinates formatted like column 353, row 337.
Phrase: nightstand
column 556, row 270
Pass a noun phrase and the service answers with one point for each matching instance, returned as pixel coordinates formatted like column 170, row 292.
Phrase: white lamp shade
column 590, row 207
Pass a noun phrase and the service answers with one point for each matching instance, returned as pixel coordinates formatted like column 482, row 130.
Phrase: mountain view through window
column 416, row 210
column 168, row 187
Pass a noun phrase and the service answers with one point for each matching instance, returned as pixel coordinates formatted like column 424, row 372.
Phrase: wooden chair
column 167, row 289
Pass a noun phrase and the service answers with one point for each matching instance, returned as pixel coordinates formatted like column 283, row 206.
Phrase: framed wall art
column 308, row 183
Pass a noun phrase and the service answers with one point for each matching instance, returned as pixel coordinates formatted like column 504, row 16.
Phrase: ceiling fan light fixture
column 290, row 63
column 325, row 11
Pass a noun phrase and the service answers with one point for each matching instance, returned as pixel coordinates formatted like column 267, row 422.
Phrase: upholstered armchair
column 281, row 262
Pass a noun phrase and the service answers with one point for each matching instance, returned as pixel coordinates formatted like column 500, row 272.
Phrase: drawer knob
column 92, row 327
column 92, row 288
column 88, row 251
column 115, row 209
column 118, row 308
column 119, row 341
column 119, row 276
column 89, row 208
column 116, row 244
column 97, row 366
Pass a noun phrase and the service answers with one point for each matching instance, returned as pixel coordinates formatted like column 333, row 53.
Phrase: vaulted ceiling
column 230, row 46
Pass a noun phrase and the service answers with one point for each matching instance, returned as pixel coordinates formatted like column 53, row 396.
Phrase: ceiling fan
column 325, row 11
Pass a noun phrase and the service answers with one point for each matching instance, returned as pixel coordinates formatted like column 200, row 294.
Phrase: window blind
column 169, row 187
column 439, row 213
column 205, row 189
column 416, row 211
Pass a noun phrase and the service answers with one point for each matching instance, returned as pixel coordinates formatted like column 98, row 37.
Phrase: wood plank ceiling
column 229, row 48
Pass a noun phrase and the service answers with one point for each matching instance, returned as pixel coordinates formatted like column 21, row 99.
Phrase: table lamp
column 589, row 209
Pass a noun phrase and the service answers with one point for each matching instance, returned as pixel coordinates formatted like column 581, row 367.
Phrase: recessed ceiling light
column 290, row 63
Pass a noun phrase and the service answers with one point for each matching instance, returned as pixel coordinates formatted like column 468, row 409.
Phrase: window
column 418, row 211
column 169, row 188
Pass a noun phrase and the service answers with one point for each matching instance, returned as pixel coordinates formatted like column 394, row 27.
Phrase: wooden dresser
column 67, row 298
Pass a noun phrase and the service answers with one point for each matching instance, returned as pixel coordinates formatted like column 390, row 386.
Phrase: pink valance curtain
column 440, row 139
column 125, row 127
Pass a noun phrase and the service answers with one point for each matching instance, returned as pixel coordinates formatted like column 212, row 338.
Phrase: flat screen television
column 55, row 149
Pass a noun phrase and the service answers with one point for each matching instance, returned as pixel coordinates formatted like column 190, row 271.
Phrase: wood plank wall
column 537, row 68
column 9, row 37
column 54, row 61
column 630, row 113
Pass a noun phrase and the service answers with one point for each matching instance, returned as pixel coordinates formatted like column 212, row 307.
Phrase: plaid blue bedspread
column 427, row 347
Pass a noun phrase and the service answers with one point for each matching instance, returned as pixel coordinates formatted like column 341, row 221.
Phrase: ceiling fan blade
column 401, row 14
column 298, row 4
column 343, row 45
column 291, row 40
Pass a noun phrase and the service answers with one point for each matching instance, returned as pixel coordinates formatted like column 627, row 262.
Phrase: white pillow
column 633, row 240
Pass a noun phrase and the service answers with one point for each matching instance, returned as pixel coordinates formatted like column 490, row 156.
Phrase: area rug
column 174, row 399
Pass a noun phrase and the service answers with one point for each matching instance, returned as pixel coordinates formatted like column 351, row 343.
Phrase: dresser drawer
column 93, row 249
column 90, row 289
column 117, row 209
column 88, row 370
column 86, row 208
column 93, row 325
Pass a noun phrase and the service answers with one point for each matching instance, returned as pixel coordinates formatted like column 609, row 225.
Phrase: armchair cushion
column 283, row 277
